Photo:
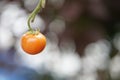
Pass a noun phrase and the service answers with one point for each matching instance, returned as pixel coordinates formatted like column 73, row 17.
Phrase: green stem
column 34, row 13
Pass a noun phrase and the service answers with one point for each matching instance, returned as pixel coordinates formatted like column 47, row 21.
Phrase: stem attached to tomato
column 32, row 16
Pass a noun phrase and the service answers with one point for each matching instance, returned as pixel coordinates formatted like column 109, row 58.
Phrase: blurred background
column 83, row 40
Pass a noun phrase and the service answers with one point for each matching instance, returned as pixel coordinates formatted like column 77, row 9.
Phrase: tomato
column 33, row 43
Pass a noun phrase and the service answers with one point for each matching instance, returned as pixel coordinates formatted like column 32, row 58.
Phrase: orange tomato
column 33, row 43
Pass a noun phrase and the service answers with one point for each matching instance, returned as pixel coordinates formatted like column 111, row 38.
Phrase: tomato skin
column 33, row 43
